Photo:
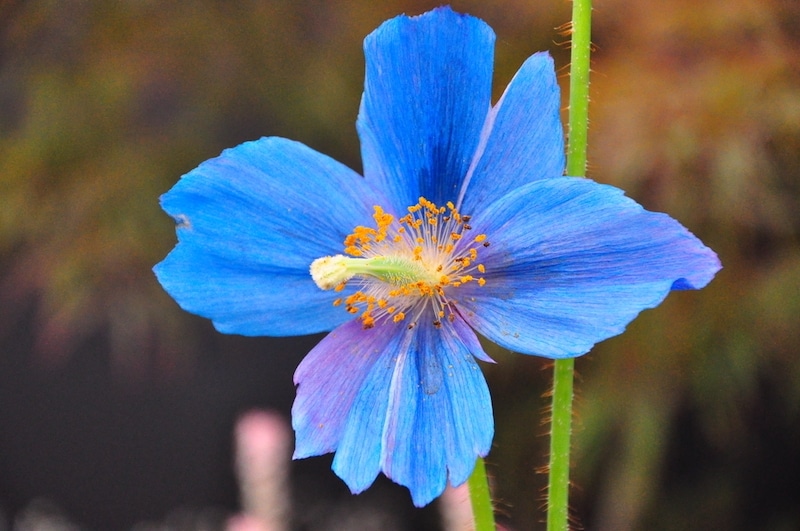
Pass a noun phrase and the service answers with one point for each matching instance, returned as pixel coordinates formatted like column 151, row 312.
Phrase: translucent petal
column 522, row 140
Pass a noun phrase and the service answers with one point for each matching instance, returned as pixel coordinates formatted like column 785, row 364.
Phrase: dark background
column 117, row 408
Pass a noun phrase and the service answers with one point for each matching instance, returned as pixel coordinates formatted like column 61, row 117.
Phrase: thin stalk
column 563, row 371
column 560, row 432
column 579, row 87
column 482, row 512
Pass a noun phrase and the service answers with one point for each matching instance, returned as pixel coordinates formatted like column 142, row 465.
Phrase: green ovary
column 330, row 271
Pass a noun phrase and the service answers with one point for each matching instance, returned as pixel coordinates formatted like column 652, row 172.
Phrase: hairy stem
column 563, row 371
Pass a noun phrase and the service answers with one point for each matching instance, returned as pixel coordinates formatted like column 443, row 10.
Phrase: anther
column 404, row 265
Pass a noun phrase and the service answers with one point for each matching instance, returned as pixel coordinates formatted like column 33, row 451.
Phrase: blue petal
column 572, row 262
column 250, row 222
column 431, row 437
column 370, row 396
column 523, row 139
column 426, row 95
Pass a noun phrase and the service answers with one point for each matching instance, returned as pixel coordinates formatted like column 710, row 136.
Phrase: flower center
column 405, row 267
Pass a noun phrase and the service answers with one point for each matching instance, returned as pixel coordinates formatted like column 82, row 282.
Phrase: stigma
column 405, row 268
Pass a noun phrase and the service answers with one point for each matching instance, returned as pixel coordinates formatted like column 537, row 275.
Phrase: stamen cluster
column 418, row 260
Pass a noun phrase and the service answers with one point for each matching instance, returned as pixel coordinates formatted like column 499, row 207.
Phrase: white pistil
column 330, row 271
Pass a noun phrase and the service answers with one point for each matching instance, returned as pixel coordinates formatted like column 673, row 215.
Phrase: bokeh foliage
column 690, row 420
column 695, row 112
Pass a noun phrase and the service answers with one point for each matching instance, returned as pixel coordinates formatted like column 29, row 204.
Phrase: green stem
column 560, row 432
column 479, row 497
column 579, row 87
column 563, row 371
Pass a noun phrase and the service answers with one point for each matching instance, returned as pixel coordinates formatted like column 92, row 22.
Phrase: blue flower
column 462, row 222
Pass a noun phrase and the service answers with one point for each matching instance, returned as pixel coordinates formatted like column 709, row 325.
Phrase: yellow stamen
column 405, row 266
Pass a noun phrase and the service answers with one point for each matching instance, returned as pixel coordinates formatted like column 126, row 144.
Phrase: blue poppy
column 462, row 222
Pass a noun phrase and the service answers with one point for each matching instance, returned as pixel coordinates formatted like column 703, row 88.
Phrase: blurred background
column 119, row 411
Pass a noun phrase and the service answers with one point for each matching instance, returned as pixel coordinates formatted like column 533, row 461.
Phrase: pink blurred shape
column 263, row 454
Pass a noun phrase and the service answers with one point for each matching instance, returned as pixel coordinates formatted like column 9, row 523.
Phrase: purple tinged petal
column 427, row 91
column 359, row 454
column 522, row 140
column 364, row 394
column 250, row 222
column 572, row 262
column 342, row 400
